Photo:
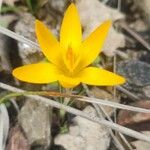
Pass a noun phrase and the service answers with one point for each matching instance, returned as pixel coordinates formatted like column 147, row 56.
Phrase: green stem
column 66, row 102
column 60, row 90
column 11, row 95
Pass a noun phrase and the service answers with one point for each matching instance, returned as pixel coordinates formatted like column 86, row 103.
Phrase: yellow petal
column 70, row 33
column 68, row 82
column 36, row 73
column 92, row 45
column 48, row 43
column 100, row 77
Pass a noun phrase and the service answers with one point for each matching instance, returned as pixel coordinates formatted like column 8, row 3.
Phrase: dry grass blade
column 121, row 54
column 100, row 101
column 102, row 113
column 74, row 111
column 18, row 37
column 113, row 104
column 4, row 126
column 135, row 35
column 15, row 104
column 131, row 95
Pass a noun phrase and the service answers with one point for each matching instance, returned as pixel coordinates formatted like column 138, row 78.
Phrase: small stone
column 25, row 27
column 34, row 118
column 5, row 21
column 136, row 72
column 4, row 57
column 58, row 5
column 85, row 134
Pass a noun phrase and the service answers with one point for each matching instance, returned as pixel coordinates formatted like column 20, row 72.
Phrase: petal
column 48, row 43
column 68, row 82
column 100, row 77
column 91, row 46
column 36, row 73
column 70, row 33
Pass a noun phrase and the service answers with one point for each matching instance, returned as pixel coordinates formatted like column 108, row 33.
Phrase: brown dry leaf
column 17, row 140
column 136, row 120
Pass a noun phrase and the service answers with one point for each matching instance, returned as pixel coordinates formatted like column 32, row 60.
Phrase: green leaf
column 32, row 5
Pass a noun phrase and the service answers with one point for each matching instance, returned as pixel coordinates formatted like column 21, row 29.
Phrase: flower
column 69, row 58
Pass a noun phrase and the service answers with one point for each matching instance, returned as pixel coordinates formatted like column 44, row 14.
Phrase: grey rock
column 25, row 27
column 58, row 5
column 85, row 134
column 35, row 119
column 136, row 72
column 5, row 64
column 4, row 57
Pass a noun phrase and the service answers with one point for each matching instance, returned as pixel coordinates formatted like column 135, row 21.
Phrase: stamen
column 70, row 56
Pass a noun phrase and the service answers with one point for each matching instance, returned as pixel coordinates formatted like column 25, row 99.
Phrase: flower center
column 70, row 57
column 71, row 60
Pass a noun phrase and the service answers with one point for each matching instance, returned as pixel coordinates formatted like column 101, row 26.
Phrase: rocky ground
column 26, row 124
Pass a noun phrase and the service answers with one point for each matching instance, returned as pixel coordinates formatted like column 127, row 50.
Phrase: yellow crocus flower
column 70, row 58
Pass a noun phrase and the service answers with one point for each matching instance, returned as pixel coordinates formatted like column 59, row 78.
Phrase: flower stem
column 65, row 102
